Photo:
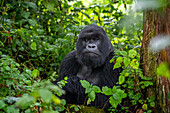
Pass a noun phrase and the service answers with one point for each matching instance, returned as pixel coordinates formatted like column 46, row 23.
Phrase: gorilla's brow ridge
column 92, row 34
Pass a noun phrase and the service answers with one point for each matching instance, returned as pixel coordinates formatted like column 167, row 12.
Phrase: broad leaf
column 92, row 95
column 85, row 84
column 46, row 95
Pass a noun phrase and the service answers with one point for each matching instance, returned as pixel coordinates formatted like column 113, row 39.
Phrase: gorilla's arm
column 69, row 65
column 74, row 91
column 109, row 76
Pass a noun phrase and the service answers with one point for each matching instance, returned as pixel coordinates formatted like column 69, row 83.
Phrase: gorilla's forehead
column 91, row 34
column 92, row 29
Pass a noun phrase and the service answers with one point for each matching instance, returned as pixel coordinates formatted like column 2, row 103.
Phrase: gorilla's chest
column 89, row 74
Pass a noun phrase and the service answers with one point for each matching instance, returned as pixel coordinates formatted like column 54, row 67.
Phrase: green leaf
column 113, row 102
column 49, row 111
column 152, row 98
column 8, row 68
column 132, row 53
column 121, row 79
column 12, row 109
column 49, row 4
column 31, row 4
column 25, row 101
column 2, row 104
column 85, row 84
column 116, row 96
column 35, row 73
column 117, row 65
column 112, row 60
column 96, row 89
column 25, row 14
column 92, row 95
column 56, row 100
column 88, row 90
column 126, row 61
column 32, row 22
column 106, row 90
column 2, row 44
column 35, row 94
column 76, row 108
column 56, row 89
column 137, row 96
column 33, row 46
column 134, row 64
column 152, row 104
column 144, row 107
column 123, row 53
column 114, row 89
column 119, row 60
column 26, row 111
column 88, row 101
column 46, row 95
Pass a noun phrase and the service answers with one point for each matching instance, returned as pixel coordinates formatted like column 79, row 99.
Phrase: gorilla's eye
column 97, row 39
column 85, row 39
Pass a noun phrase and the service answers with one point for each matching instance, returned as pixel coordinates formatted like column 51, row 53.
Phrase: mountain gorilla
column 90, row 61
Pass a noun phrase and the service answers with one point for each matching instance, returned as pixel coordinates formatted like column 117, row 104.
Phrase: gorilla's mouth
column 93, row 54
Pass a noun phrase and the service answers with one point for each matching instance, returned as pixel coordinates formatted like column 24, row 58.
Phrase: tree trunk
column 156, row 23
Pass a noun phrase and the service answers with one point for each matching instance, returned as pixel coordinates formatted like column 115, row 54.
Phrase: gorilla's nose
column 91, row 47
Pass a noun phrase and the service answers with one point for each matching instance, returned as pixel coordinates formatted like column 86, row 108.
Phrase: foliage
column 36, row 35
column 134, row 83
column 133, row 87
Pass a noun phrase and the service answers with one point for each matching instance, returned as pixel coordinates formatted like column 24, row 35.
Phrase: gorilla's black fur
column 90, row 61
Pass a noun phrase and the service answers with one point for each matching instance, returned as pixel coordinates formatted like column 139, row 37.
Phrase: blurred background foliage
column 39, row 33
column 35, row 35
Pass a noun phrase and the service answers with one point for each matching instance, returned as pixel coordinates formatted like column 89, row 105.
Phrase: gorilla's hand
column 73, row 85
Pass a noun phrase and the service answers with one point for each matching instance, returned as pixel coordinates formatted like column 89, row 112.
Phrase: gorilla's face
column 93, row 46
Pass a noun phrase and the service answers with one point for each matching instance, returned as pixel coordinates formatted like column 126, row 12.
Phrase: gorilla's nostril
column 91, row 46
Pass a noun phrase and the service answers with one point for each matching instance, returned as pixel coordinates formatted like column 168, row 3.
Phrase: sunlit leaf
column 96, row 89
column 134, row 64
column 88, row 90
column 92, row 95
column 113, row 102
column 121, row 79
column 56, row 100
column 46, row 95
column 144, row 107
column 123, row 53
column 126, row 61
column 114, row 89
column 132, row 53
column 106, row 90
column 85, row 84
column 33, row 46
column 35, row 73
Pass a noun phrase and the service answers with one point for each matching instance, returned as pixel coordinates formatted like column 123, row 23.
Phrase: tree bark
column 156, row 23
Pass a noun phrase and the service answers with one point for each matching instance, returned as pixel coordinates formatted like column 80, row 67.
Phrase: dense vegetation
column 37, row 34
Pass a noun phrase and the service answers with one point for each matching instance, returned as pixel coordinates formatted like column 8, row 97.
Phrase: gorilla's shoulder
column 71, row 54
column 69, row 65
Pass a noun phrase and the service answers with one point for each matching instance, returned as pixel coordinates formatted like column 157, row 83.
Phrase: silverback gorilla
column 90, row 61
